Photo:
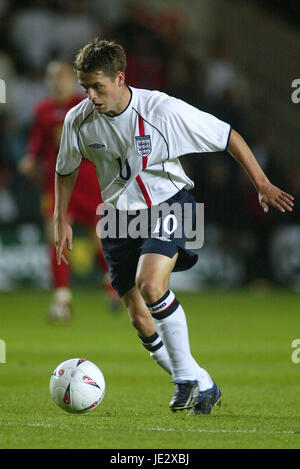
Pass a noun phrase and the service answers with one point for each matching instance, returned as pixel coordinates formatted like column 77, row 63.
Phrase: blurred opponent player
column 41, row 156
column 140, row 136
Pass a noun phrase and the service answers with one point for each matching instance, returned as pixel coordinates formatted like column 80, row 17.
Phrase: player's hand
column 63, row 237
column 272, row 195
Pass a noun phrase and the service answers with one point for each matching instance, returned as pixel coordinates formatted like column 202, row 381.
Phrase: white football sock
column 169, row 317
column 170, row 322
column 161, row 357
column 62, row 295
column 157, row 351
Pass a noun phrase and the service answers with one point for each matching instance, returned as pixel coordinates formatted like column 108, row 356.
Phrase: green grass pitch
column 242, row 338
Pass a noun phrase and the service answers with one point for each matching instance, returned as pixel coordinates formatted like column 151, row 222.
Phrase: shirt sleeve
column 69, row 156
column 190, row 130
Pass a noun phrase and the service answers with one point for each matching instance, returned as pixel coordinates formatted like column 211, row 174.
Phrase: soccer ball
column 77, row 385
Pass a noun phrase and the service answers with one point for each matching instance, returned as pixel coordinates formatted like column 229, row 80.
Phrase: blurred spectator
column 258, row 226
column 263, row 147
column 10, row 146
column 145, row 65
column 181, row 82
column 74, row 28
column 26, row 90
column 105, row 15
column 13, row 143
column 228, row 109
column 146, row 52
column 3, row 7
column 33, row 32
column 217, row 188
column 220, row 72
column 8, row 205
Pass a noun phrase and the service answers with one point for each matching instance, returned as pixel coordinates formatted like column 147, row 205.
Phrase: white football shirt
column 136, row 153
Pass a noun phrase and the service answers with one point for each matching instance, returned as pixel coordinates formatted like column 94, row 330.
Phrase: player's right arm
column 63, row 234
column 67, row 164
column 268, row 194
column 194, row 131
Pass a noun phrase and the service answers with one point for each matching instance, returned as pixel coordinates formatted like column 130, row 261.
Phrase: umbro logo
column 156, row 308
column 97, row 146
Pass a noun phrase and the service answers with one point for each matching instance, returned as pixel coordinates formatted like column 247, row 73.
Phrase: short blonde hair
column 106, row 56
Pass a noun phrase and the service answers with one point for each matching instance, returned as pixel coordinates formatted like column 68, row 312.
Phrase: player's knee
column 151, row 290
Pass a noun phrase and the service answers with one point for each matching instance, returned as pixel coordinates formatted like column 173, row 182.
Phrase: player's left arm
column 268, row 194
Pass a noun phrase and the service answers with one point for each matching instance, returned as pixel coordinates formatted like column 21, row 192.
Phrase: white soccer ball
column 77, row 385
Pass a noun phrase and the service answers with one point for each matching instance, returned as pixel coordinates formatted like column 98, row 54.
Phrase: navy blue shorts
column 122, row 254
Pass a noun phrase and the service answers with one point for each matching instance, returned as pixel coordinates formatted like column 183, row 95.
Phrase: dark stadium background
column 234, row 59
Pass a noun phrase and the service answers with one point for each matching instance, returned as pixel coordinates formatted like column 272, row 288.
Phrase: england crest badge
column 143, row 145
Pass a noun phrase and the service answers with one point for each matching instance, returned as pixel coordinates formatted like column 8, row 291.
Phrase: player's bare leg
column 112, row 295
column 61, row 307
column 139, row 315
column 153, row 274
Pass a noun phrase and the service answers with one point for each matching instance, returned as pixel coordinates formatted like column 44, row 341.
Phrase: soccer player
column 135, row 138
column 39, row 162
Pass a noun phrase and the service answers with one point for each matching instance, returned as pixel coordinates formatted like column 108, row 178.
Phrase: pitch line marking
column 219, row 430
column 161, row 429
